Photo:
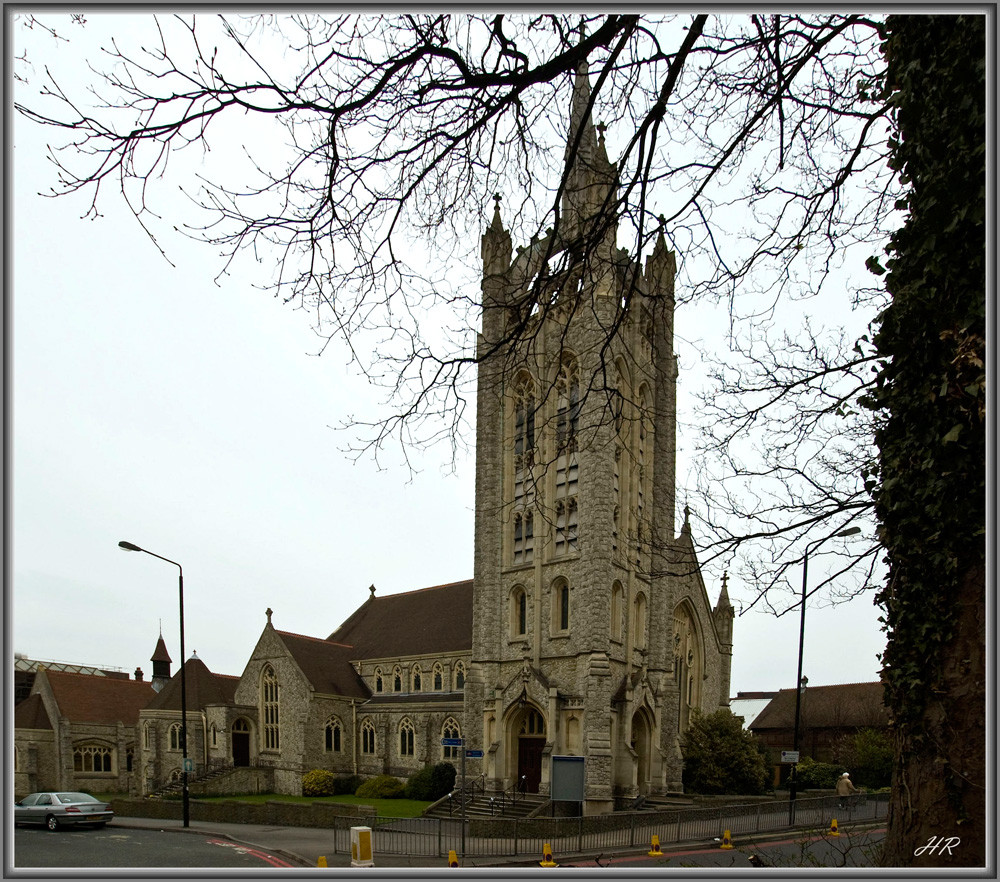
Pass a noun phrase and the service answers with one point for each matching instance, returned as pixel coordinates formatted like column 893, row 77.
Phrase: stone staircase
column 177, row 786
column 485, row 805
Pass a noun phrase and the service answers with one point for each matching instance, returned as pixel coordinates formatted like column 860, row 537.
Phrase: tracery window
column 368, row 737
column 415, row 679
column 174, row 736
column 438, row 677
column 378, row 680
column 332, row 736
column 406, row 738
column 269, row 706
column 524, row 537
column 91, row 758
column 460, row 675
column 451, row 729
column 397, row 679
column 523, row 544
column 533, row 723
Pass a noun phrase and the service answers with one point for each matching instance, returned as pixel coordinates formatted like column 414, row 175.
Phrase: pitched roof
column 850, row 705
column 160, row 653
column 431, row 620
column 326, row 664
column 87, row 698
column 31, row 714
column 201, row 688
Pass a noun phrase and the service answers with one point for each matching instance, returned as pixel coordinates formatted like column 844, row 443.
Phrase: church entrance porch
column 641, row 743
column 526, row 747
column 241, row 743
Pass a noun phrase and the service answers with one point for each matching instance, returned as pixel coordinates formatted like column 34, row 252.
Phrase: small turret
column 161, row 665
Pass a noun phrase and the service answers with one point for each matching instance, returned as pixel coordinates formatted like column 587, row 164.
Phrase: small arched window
column 518, row 612
column 560, row 605
column 617, row 596
column 438, row 677
column 639, row 621
column 147, row 738
column 415, row 679
column 378, row 680
column 459, row 675
column 174, row 736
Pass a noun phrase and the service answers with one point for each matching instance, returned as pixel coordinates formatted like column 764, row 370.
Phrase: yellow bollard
column 833, row 828
column 654, row 851
column 452, row 859
column 547, row 857
column 322, row 861
column 727, row 840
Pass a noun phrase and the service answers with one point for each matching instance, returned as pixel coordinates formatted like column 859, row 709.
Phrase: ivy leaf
column 952, row 435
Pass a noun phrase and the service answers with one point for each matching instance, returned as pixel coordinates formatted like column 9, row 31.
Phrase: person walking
column 845, row 788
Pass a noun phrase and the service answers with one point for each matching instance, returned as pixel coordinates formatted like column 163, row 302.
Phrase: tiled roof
column 326, row 664
column 31, row 714
column 86, row 698
column 425, row 622
column 201, row 688
column 160, row 652
column 850, row 705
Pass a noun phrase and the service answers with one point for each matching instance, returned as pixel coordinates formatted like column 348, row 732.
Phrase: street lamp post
column 799, row 679
column 128, row 546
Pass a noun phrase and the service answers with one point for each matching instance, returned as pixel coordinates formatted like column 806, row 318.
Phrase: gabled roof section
column 86, row 698
column 425, row 622
column 201, row 688
column 850, row 705
column 326, row 664
column 31, row 714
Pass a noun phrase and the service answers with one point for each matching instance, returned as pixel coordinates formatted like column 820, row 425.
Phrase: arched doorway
column 241, row 743
column 641, row 744
column 528, row 742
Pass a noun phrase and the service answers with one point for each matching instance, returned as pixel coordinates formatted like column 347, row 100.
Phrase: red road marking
column 253, row 852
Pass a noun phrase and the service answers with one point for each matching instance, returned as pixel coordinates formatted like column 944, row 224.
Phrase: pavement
column 304, row 846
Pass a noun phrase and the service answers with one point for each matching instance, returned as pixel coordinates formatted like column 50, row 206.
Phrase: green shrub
column 867, row 755
column 347, row 785
column 319, row 782
column 381, row 787
column 431, row 782
column 721, row 757
column 812, row 775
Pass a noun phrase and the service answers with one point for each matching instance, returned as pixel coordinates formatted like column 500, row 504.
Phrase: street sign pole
column 465, row 796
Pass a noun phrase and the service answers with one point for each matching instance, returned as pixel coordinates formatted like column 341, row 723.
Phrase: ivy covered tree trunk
column 930, row 397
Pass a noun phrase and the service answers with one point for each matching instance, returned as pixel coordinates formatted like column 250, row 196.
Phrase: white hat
column 845, row 775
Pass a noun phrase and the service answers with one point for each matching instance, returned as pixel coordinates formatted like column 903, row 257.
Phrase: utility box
column 362, row 854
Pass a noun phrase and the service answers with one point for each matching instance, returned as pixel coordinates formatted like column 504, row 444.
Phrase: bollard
column 322, row 861
column 833, row 828
column 654, row 850
column 362, row 853
column 547, row 857
column 727, row 840
column 452, row 858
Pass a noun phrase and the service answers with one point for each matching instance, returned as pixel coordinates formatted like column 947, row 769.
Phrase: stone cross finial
column 372, row 589
column 268, row 613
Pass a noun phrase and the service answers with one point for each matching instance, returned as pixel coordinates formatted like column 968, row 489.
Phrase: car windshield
column 30, row 799
column 75, row 797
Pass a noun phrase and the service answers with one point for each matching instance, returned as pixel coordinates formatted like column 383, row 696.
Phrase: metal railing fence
column 513, row 837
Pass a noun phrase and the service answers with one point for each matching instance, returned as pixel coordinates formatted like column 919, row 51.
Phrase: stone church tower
column 593, row 635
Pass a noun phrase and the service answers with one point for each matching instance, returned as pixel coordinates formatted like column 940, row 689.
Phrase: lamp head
column 128, row 546
column 850, row 531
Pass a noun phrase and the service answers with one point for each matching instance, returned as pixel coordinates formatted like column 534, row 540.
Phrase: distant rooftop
column 33, row 665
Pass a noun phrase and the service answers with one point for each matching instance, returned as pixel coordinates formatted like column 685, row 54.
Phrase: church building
column 586, row 631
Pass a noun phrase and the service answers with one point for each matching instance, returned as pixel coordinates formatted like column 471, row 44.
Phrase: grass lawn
column 384, row 808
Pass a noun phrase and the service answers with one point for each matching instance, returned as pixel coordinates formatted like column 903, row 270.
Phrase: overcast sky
column 147, row 403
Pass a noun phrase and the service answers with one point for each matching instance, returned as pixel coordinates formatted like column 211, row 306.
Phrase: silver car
column 57, row 809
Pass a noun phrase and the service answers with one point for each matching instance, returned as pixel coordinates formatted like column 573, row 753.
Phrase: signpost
column 457, row 742
column 474, row 754
column 789, row 756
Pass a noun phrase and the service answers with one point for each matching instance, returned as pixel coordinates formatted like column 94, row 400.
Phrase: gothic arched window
column 269, row 706
column 438, row 677
column 406, row 738
column 332, row 741
column 639, row 621
column 378, row 680
column 560, row 605
column 174, row 736
column 518, row 612
column 451, row 729
column 397, row 679
column 459, row 675
column 617, row 605
column 368, row 737
column 415, row 679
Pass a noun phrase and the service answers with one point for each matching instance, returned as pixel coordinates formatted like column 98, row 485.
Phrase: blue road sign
column 451, row 742
column 474, row 754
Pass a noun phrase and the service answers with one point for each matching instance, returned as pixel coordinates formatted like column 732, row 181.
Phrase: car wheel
column 52, row 822
column 100, row 826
